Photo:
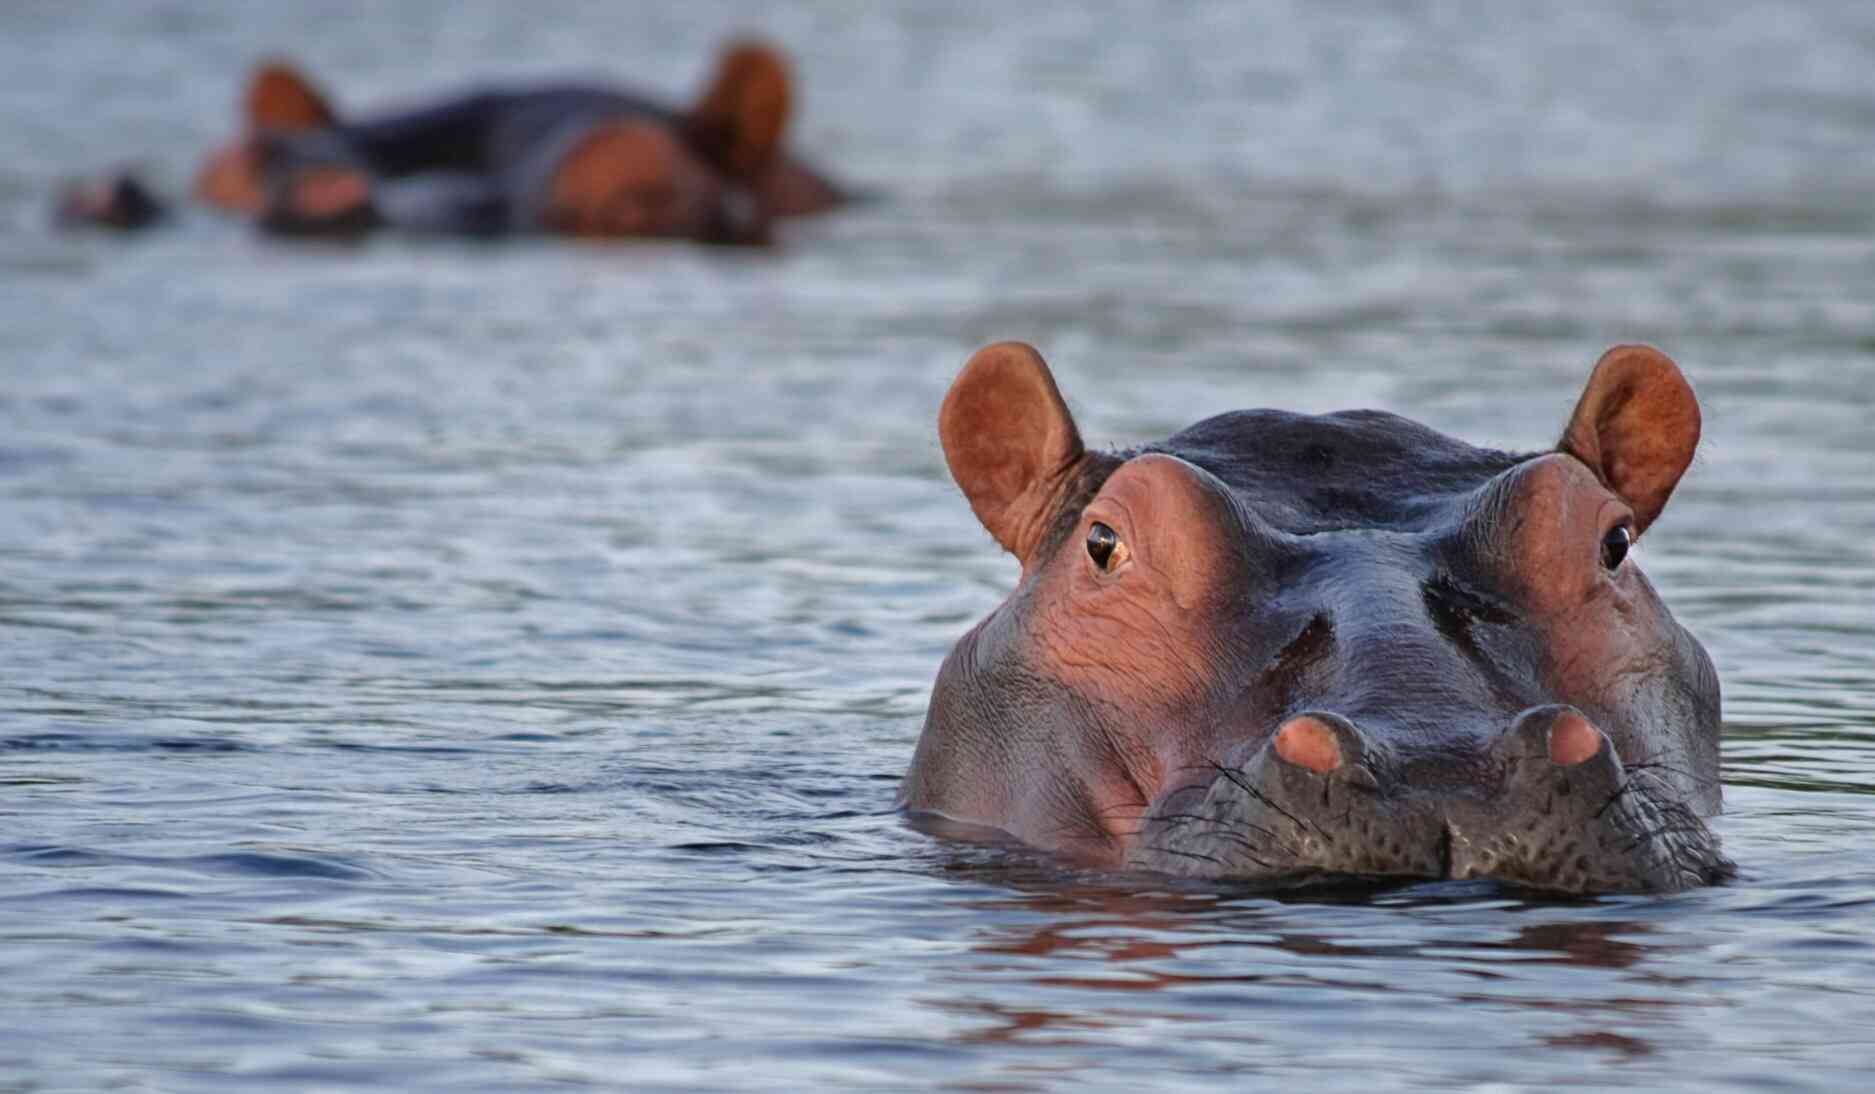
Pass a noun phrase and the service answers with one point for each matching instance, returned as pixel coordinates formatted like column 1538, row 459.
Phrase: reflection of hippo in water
column 1277, row 647
column 571, row 159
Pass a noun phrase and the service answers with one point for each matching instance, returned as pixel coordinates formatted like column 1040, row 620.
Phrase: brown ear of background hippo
column 280, row 97
column 740, row 124
column 1283, row 648
column 277, row 99
column 742, row 116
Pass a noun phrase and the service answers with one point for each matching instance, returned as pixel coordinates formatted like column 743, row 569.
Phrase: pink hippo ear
column 1010, row 442
column 1636, row 426
column 279, row 97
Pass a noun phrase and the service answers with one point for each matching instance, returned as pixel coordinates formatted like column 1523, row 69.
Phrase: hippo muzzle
column 1548, row 804
column 1280, row 648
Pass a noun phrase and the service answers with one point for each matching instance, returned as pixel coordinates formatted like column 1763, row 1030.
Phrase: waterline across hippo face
column 1284, row 648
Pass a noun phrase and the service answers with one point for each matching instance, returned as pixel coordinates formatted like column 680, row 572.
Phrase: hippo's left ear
column 1010, row 442
column 1636, row 426
column 279, row 97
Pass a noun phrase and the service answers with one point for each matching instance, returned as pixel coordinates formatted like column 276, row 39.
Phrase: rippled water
column 436, row 666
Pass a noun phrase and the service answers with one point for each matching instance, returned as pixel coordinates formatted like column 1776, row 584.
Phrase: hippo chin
column 1282, row 648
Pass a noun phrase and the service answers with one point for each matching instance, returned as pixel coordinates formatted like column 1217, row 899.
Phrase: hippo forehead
column 1354, row 469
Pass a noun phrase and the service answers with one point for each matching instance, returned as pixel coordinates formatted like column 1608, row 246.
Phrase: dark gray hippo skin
column 1282, row 648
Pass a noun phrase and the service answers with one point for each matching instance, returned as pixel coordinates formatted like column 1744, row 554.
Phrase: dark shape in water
column 118, row 200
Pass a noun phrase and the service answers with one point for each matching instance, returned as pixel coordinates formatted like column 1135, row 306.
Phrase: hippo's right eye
column 1615, row 547
column 1102, row 542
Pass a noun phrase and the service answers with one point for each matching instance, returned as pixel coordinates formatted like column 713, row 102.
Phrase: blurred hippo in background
column 572, row 159
column 1284, row 648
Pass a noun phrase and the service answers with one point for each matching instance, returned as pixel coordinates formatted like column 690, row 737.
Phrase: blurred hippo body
column 571, row 159
column 1277, row 647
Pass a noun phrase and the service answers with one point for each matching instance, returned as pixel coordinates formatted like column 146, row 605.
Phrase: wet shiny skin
column 492, row 668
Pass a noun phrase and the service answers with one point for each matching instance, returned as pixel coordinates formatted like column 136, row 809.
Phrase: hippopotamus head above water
column 574, row 158
column 1278, row 647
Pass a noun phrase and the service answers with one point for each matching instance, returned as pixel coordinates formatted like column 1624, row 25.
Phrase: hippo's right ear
column 739, row 121
column 1010, row 442
column 278, row 97
column 1636, row 426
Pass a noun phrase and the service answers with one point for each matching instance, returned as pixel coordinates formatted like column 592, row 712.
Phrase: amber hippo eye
column 1614, row 546
column 1102, row 541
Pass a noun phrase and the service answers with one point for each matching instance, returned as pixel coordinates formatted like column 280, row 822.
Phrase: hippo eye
column 1615, row 546
column 1101, row 541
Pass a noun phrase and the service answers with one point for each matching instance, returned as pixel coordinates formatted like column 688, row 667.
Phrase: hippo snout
column 1545, row 803
column 1570, row 815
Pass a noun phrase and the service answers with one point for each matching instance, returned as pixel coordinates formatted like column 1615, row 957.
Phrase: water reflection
column 1114, row 957
column 1111, row 920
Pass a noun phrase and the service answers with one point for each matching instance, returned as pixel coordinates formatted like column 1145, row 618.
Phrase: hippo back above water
column 1277, row 647
column 568, row 158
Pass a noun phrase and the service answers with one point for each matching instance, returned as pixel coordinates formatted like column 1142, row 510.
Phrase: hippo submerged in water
column 1281, row 648
column 570, row 159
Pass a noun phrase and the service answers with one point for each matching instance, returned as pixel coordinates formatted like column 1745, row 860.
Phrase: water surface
column 469, row 667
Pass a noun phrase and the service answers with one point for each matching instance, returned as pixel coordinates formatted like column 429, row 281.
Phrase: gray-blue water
column 428, row 666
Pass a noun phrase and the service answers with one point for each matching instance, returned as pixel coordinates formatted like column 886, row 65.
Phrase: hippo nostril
column 1309, row 742
column 1573, row 739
